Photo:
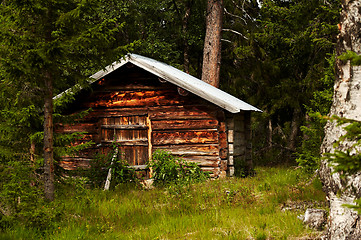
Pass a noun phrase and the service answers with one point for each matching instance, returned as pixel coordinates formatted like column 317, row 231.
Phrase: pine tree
column 50, row 45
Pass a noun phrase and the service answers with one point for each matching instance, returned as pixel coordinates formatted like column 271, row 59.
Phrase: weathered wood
column 188, row 112
column 223, row 153
column 183, row 112
column 223, row 140
column 203, row 161
column 165, row 138
column 75, row 163
column 135, row 98
column 223, row 165
column 143, row 114
column 138, row 142
column 77, row 127
column 194, row 149
column 230, row 136
column 184, row 124
column 124, row 127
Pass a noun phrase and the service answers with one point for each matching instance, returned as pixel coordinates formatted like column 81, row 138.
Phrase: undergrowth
column 229, row 208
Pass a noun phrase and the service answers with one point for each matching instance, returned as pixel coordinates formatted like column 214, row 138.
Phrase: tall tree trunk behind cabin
column 295, row 125
column 185, row 38
column 270, row 133
column 344, row 223
column 212, row 43
column 48, row 139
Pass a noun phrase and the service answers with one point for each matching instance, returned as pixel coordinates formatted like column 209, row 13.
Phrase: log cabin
column 145, row 105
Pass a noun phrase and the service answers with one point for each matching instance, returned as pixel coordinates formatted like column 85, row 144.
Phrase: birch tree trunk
column 212, row 43
column 344, row 223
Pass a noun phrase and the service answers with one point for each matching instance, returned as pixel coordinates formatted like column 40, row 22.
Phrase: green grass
column 230, row 208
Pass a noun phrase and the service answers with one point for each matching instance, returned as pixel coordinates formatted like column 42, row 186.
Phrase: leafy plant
column 169, row 169
column 114, row 160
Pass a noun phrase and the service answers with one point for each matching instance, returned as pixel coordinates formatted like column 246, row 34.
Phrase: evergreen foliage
column 278, row 66
column 308, row 156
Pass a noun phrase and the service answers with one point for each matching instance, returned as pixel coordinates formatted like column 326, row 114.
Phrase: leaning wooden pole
column 109, row 176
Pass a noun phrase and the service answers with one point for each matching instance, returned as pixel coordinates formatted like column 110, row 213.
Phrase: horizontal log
column 203, row 161
column 183, row 112
column 75, row 163
column 135, row 87
column 124, row 127
column 135, row 98
column 77, row 127
column 138, row 142
column 179, row 137
column 213, row 171
column 188, row 112
column 194, row 149
column 184, row 124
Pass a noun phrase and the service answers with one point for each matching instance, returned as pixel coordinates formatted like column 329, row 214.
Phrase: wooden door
column 131, row 133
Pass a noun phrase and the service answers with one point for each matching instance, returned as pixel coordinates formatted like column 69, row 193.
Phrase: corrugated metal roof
column 182, row 80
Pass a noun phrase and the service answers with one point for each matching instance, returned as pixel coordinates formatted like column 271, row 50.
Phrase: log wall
column 144, row 113
column 239, row 144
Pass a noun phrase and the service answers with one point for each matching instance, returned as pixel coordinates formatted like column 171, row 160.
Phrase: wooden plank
column 135, row 155
column 184, row 124
column 191, row 150
column 185, row 137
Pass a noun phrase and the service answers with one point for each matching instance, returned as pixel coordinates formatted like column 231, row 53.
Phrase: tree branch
column 235, row 32
column 235, row 16
column 225, row 40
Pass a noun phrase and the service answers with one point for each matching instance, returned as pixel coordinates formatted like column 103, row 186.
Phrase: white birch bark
column 344, row 223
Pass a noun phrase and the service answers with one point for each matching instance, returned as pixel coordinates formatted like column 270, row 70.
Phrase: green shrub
column 121, row 172
column 169, row 169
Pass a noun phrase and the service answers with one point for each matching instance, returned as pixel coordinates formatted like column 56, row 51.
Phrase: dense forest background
column 277, row 55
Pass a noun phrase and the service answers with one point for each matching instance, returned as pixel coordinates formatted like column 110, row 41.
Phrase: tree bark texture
column 344, row 223
column 48, row 139
column 212, row 43
column 185, row 22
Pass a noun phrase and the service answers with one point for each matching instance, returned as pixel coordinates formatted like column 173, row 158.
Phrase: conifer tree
column 50, row 45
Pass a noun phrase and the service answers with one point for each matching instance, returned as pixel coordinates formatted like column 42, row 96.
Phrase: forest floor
column 265, row 206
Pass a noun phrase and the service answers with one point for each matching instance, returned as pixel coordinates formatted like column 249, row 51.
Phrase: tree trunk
column 48, row 139
column 185, row 22
column 295, row 126
column 344, row 223
column 212, row 43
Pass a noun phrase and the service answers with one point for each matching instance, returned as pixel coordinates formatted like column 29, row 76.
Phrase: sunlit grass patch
column 229, row 208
